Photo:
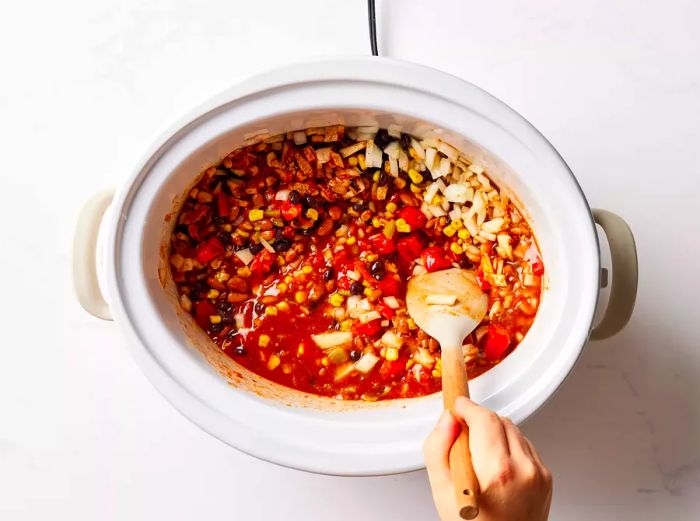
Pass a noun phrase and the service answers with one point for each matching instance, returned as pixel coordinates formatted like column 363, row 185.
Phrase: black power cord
column 372, row 27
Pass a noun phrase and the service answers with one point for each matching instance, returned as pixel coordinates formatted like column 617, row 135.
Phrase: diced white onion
column 245, row 256
column 392, row 302
column 430, row 192
column 391, row 339
column 392, row 149
column 267, row 245
column 368, row 316
column 299, row 137
column 366, row 363
column 332, row 339
column 457, row 193
column 282, row 195
column 351, row 149
column 420, row 151
column 323, row 155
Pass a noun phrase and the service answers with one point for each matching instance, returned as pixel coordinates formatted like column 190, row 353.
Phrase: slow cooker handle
column 85, row 283
column 623, row 291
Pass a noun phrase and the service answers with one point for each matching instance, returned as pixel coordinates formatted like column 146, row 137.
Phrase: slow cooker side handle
column 85, row 282
column 623, row 291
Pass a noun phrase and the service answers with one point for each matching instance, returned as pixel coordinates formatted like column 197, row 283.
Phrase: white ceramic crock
column 320, row 434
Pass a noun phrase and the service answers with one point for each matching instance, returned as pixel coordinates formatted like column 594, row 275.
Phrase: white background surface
column 87, row 85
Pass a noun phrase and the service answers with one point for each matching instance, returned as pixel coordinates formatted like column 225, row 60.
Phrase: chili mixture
column 293, row 255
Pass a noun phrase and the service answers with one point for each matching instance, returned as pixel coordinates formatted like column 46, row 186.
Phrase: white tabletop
column 87, row 86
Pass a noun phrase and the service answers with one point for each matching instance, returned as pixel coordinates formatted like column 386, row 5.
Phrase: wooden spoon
column 448, row 305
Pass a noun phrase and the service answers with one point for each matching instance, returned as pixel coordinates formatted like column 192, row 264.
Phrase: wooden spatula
column 448, row 305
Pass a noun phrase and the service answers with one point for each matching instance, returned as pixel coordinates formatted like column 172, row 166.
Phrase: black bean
column 355, row 355
column 382, row 139
column 219, row 220
column 294, row 197
column 312, row 202
column 405, row 141
column 383, row 178
column 200, row 287
column 255, row 248
column 240, row 351
column 328, row 274
column 259, row 308
column 216, row 328
column 306, row 232
column 359, row 207
column 279, row 234
column 227, row 319
column 225, row 188
column 377, row 269
column 282, row 245
column 356, row 288
column 223, row 307
column 182, row 228
column 224, row 237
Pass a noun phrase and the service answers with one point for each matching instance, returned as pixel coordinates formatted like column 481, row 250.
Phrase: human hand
column 515, row 485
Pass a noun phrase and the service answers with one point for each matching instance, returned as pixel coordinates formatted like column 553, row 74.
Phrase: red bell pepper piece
column 538, row 267
column 262, row 263
column 385, row 311
column 389, row 370
column 381, row 245
column 209, row 250
column 390, row 286
column 435, row 259
column 485, row 286
column 223, row 205
column 413, row 217
column 497, row 342
column 371, row 328
column 290, row 211
column 409, row 247
column 203, row 309
column 364, row 272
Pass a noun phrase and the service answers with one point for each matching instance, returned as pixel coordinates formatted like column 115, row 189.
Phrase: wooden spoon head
column 447, row 323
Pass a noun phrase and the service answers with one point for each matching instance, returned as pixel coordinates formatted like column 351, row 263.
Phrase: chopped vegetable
column 332, row 339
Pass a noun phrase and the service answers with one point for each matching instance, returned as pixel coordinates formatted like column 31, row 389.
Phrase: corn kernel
column 412, row 152
column 456, row 248
column 346, row 325
column 255, row 215
column 412, row 324
column 391, row 354
column 212, row 293
column 312, row 213
column 286, row 368
column 215, row 319
column 271, row 310
column 300, row 350
column 368, row 292
column 273, row 362
column 352, row 161
column 463, row 234
column 436, row 373
column 415, row 176
column 227, row 228
column 449, row 230
column 361, row 160
column 403, row 226
column 283, row 306
column 325, row 362
column 288, row 279
column 350, row 241
column 437, row 199
column 282, row 287
column 416, row 189
column 391, row 207
column 242, row 233
column 376, row 222
column 336, row 299
column 264, row 340
column 307, row 269
column 300, row 297
column 243, row 272
column 458, row 224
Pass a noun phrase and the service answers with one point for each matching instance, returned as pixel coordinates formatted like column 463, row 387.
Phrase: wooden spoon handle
column 454, row 384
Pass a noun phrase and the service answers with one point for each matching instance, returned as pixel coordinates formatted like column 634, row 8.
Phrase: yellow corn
column 415, row 176
column 212, row 293
column 361, row 160
column 215, row 319
column 463, row 234
column 437, row 199
column 352, row 161
column 391, row 207
column 449, row 230
column 242, row 233
column 403, row 226
column 391, row 354
column 376, row 222
column 264, row 340
column 255, row 215
column 325, row 361
column 400, row 183
column 273, row 362
column 346, row 325
column 300, row 350
column 375, row 176
column 227, row 228
column 243, row 272
column 416, row 189
column 336, row 299
column 271, row 310
column 283, row 306
column 350, row 241
column 311, row 213
column 288, row 279
column 456, row 248
column 307, row 269
column 300, row 297
column 282, row 287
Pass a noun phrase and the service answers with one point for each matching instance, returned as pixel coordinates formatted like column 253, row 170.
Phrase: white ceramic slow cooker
column 321, row 434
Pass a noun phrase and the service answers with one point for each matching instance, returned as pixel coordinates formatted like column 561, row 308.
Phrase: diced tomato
column 389, row 370
column 435, row 259
column 385, row 310
column 262, row 263
column 497, row 342
column 485, row 286
column 290, row 211
column 371, row 328
column 409, row 247
column 382, row 245
column 203, row 309
column 209, row 250
column 317, row 260
column 538, row 267
column 200, row 213
column 223, row 205
column 413, row 217
column 390, row 286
